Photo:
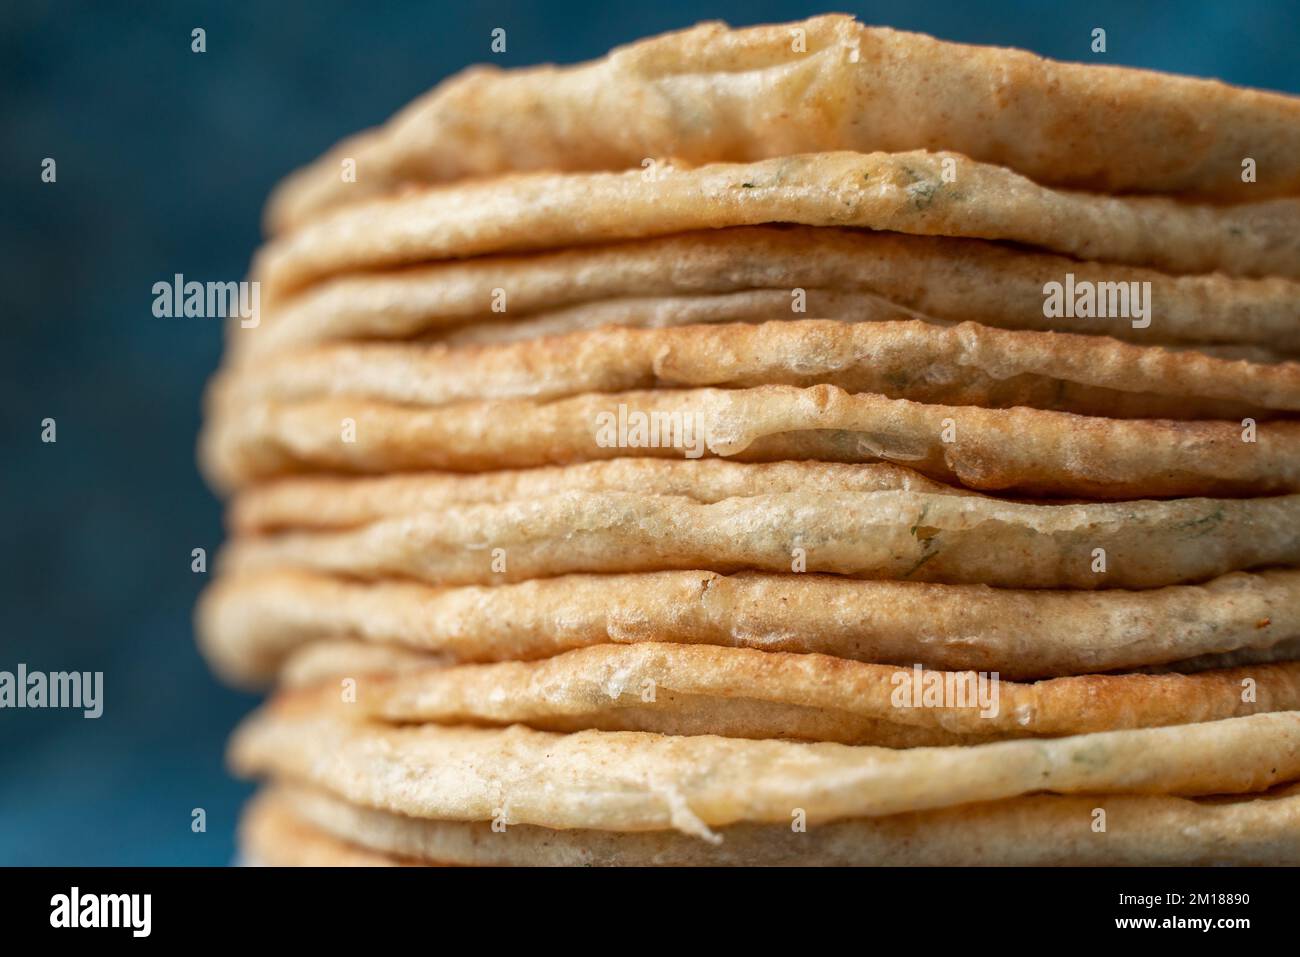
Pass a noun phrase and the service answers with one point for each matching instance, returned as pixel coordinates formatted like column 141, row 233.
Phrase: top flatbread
column 711, row 93
column 928, row 194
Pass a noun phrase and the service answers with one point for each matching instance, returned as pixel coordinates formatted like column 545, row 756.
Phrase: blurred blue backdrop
column 164, row 159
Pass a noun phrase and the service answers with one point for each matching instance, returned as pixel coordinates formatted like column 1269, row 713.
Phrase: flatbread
column 743, row 693
column 330, row 501
column 1028, row 451
column 1043, row 830
column 753, row 307
column 247, row 624
column 635, row 781
column 713, row 93
column 969, row 364
column 272, row 834
column 332, row 659
column 920, row 193
column 749, row 273
column 892, row 534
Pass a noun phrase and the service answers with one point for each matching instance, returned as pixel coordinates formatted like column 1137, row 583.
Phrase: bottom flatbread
column 1088, row 830
column 271, row 834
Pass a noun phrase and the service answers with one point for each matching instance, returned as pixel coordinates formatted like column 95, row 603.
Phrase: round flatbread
column 715, row 93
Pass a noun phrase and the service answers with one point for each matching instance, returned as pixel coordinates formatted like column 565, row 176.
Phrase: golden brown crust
column 748, row 274
column 271, row 834
column 330, row 660
column 693, row 94
column 919, row 536
column 743, row 693
column 1021, row 634
column 1029, row 451
column 331, row 501
column 248, row 624
column 1043, row 830
column 968, row 364
column 635, row 781
column 920, row 193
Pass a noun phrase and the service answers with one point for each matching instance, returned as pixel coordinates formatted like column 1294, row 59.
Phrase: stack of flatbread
column 807, row 444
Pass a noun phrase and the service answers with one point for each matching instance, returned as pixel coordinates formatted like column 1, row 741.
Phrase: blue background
column 164, row 159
